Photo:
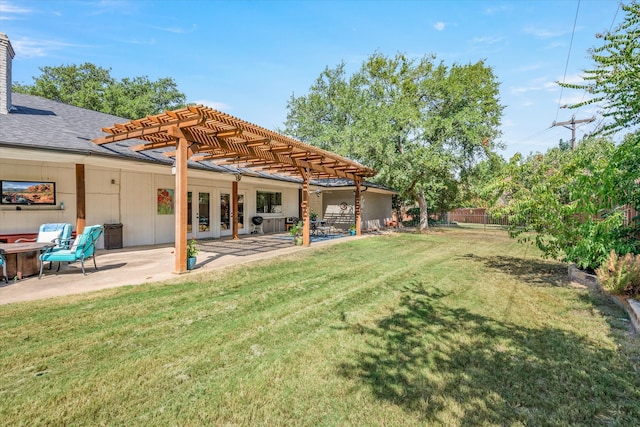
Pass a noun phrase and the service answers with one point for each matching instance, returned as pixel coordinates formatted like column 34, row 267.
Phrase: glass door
column 241, row 225
column 203, row 215
column 199, row 214
column 226, row 214
column 190, row 215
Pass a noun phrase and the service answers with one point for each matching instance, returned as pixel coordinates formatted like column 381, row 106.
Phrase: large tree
column 615, row 80
column 92, row 87
column 421, row 123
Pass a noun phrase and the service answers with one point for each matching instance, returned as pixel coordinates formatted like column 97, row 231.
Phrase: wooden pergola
column 202, row 134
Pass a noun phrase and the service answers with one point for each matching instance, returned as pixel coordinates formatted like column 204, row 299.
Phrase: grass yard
column 456, row 327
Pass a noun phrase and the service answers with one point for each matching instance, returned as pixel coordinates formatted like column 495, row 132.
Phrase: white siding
column 119, row 191
column 138, row 199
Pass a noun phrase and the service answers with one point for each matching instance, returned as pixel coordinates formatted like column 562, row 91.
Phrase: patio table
column 315, row 231
column 23, row 258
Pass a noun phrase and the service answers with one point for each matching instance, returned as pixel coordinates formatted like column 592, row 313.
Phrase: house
column 49, row 145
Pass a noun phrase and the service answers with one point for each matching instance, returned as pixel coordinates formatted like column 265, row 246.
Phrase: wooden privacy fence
column 480, row 216
column 472, row 216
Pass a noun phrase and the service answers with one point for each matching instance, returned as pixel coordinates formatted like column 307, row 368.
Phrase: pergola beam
column 146, row 130
column 202, row 134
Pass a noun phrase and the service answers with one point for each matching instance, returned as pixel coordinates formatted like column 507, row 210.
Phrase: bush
column 621, row 274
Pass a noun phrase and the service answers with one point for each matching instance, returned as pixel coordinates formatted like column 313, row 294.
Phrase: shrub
column 296, row 229
column 621, row 274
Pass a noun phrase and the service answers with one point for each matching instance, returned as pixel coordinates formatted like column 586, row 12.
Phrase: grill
column 257, row 220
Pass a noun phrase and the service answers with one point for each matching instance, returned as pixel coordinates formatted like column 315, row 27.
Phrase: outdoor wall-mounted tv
column 28, row 193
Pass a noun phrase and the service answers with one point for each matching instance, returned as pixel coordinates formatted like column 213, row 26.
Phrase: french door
column 226, row 213
column 199, row 214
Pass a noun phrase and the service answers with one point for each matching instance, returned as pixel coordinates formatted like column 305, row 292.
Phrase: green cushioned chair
column 3, row 263
column 83, row 247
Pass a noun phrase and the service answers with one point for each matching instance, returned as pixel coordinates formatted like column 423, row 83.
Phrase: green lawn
column 456, row 327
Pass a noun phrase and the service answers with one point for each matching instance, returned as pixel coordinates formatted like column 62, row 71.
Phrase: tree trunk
column 424, row 213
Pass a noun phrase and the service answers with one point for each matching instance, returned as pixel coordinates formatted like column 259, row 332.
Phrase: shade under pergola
column 203, row 134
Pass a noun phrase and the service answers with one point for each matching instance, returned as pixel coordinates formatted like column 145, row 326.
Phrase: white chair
column 58, row 233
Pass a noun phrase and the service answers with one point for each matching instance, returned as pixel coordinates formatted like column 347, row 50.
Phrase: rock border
column 630, row 305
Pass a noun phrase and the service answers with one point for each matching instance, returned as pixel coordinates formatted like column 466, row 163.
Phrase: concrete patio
column 144, row 264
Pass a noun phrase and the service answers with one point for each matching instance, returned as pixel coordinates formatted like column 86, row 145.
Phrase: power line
column 566, row 66
column 615, row 15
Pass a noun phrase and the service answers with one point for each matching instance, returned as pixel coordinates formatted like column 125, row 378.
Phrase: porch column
column 306, row 228
column 81, row 214
column 234, row 209
column 357, row 209
column 182, row 154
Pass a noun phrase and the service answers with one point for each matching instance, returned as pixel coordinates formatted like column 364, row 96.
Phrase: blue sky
column 247, row 58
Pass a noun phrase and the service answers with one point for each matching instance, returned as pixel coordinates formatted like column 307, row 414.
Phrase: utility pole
column 573, row 122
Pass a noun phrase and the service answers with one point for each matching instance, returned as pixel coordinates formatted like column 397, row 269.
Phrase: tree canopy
column 577, row 202
column 420, row 123
column 614, row 80
column 92, row 87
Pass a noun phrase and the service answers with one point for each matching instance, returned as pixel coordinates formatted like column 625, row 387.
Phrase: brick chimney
column 6, row 56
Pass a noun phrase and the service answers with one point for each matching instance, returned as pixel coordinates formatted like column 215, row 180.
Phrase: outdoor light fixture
column 318, row 192
column 173, row 167
column 238, row 172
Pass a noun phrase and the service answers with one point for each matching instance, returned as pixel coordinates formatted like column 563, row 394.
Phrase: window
column 267, row 202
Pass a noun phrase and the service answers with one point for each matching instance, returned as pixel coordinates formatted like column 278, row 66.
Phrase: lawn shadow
column 529, row 270
column 428, row 358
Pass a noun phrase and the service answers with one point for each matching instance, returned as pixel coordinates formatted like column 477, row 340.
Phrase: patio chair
column 3, row 263
column 83, row 247
column 327, row 228
column 58, row 233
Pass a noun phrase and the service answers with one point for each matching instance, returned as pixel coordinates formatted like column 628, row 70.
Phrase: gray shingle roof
column 40, row 123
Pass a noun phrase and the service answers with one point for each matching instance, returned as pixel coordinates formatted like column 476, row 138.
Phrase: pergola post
column 306, row 227
column 358, row 212
column 182, row 154
column 234, row 210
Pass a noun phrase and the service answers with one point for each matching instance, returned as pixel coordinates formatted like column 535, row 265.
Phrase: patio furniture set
column 54, row 243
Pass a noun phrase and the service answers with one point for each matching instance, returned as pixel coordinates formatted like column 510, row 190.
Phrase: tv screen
column 28, row 192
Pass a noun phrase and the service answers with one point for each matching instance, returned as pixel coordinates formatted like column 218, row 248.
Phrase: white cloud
column 150, row 42
column 573, row 79
column 6, row 7
column 544, row 33
column 534, row 85
column 488, row 40
column 177, row 30
column 9, row 11
column 439, row 26
column 497, row 9
column 555, row 45
column 530, row 67
column 213, row 104
column 31, row 48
